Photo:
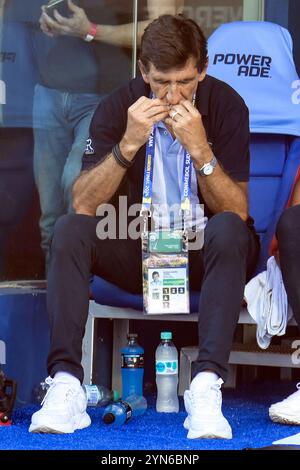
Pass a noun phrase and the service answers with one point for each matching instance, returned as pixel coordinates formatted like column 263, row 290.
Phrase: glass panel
column 210, row 14
column 254, row 10
column 48, row 90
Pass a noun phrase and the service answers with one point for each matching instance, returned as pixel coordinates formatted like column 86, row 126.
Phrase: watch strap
column 212, row 165
column 91, row 33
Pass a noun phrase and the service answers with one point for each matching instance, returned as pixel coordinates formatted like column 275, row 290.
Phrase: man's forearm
column 98, row 185
column 122, row 35
column 222, row 194
column 118, row 35
column 219, row 191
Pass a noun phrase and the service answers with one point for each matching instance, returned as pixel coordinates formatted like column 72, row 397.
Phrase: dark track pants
column 220, row 269
column 288, row 235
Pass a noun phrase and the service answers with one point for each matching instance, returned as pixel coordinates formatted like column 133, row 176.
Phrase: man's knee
column 287, row 221
column 67, row 232
column 226, row 231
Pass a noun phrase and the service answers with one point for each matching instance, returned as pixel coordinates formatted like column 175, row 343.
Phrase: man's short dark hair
column 155, row 273
column 170, row 40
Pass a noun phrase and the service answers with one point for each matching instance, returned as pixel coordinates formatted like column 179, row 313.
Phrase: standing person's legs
column 287, row 411
column 76, row 251
column 230, row 254
column 61, row 128
column 52, row 143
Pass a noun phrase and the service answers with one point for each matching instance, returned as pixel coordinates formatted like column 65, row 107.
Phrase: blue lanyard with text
column 148, row 177
column 185, row 204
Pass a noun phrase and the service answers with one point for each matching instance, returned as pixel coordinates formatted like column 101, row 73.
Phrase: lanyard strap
column 185, row 203
column 148, row 178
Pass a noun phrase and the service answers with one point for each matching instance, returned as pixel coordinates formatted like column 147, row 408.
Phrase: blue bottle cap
column 166, row 335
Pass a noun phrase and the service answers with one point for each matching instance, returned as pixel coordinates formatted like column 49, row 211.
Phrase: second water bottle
column 99, row 395
column 166, row 360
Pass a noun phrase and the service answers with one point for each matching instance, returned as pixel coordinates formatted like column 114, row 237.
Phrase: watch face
column 207, row 170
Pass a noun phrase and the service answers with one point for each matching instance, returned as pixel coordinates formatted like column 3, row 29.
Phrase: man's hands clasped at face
column 183, row 120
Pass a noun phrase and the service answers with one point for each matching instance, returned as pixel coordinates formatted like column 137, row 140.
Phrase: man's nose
column 173, row 94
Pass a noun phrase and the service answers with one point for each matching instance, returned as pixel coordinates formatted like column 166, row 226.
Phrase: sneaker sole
column 208, row 435
column 83, row 422
column 284, row 419
column 186, row 423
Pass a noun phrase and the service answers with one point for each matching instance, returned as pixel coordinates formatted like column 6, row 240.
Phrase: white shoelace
column 211, row 395
column 54, row 383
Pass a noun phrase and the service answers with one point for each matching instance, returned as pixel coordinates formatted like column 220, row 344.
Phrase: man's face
column 174, row 85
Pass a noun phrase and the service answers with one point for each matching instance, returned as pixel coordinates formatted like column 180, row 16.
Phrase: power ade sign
column 248, row 65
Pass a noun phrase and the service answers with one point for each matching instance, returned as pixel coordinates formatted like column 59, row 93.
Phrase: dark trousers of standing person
column 288, row 235
column 220, row 269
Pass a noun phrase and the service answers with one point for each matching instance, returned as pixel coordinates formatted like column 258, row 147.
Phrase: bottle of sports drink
column 121, row 411
column 132, row 367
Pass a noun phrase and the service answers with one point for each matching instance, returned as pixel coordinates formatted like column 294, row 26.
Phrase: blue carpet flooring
column 246, row 409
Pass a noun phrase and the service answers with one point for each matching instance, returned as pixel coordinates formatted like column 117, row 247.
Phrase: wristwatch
column 208, row 168
column 91, row 33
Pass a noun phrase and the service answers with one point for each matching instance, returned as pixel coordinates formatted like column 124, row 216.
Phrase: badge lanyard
column 165, row 253
column 185, row 203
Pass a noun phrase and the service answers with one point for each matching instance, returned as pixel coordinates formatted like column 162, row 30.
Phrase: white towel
column 267, row 303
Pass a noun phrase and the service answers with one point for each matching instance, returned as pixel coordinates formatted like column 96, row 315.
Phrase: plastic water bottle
column 166, row 360
column 39, row 392
column 120, row 412
column 99, row 395
column 132, row 367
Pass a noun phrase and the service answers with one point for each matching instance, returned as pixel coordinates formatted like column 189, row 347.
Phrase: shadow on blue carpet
column 246, row 409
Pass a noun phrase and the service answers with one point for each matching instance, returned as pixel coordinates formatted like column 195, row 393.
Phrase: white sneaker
column 287, row 411
column 205, row 418
column 63, row 409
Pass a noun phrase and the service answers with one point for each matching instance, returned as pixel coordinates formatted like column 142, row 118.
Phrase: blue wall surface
column 24, row 334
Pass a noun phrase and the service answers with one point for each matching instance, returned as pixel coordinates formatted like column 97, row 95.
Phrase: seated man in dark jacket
column 195, row 120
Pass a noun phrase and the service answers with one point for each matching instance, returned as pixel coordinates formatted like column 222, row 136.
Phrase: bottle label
column 167, row 367
column 128, row 409
column 132, row 361
column 92, row 394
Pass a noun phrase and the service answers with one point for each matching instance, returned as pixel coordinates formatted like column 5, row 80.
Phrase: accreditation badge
column 165, row 272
